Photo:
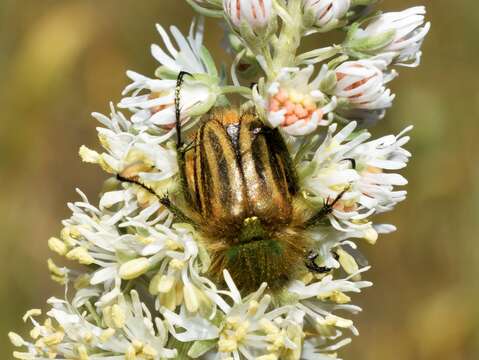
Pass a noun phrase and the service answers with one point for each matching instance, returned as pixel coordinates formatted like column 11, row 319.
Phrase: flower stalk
column 289, row 39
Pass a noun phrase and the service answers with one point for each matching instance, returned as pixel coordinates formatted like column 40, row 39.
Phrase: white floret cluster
column 142, row 290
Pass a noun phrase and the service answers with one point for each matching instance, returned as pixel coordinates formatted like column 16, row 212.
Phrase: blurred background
column 61, row 60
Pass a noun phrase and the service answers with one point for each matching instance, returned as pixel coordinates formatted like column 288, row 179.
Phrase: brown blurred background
column 61, row 60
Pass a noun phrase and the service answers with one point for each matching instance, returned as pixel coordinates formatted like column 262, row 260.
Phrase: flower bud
column 57, row 246
column 254, row 13
column 361, row 84
column 401, row 33
column 118, row 316
column 15, row 339
column 134, row 268
column 81, row 255
column 327, row 12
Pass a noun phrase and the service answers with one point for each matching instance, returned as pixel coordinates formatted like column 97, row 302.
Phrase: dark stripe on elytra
column 205, row 176
column 257, row 150
column 220, row 160
column 276, row 168
column 207, row 180
column 195, row 169
column 284, row 179
column 191, row 187
column 277, row 142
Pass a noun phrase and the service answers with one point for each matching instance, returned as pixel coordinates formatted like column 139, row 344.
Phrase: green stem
column 319, row 55
column 128, row 287
column 289, row 38
column 235, row 63
column 205, row 12
column 308, row 141
column 93, row 313
column 231, row 89
column 181, row 347
column 268, row 58
column 363, row 2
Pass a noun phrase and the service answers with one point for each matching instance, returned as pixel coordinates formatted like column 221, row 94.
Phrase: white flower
column 375, row 157
column 153, row 100
column 361, row 83
column 156, row 108
column 407, row 31
column 294, row 103
column 318, row 301
column 317, row 348
column 178, row 280
column 92, row 238
column 327, row 12
column 70, row 333
column 254, row 13
column 346, row 164
column 96, row 237
column 248, row 329
column 132, row 154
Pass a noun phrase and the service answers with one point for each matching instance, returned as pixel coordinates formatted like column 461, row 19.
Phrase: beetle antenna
column 179, row 83
column 326, row 209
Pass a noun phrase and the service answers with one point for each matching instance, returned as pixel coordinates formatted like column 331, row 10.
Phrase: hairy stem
column 289, row 38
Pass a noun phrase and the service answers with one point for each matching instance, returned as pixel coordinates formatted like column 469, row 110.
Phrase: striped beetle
column 239, row 190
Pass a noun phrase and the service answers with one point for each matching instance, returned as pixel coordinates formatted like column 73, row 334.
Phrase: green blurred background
column 61, row 60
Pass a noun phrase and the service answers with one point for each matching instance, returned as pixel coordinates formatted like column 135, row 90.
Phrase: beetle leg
column 136, row 182
column 325, row 210
column 312, row 266
column 164, row 200
column 175, row 210
column 352, row 161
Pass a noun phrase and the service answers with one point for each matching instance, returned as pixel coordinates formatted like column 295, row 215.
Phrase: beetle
column 239, row 189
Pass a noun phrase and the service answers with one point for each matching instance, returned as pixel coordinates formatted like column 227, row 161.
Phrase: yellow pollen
column 88, row 337
column 118, row 316
column 138, row 346
column 82, row 352
column 253, row 307
column 145, row 240
column 53, row 339
column 107, row 334
column 268, row 327
column 172, row 245
column 177, row 264
column 227, row 345
column 233, row 321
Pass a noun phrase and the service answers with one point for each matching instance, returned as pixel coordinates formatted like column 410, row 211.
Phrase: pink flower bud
column 255, row 13
column 327, row 11
column 362, row 84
